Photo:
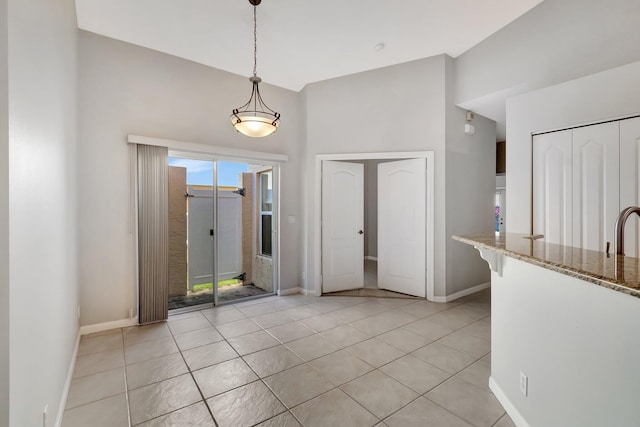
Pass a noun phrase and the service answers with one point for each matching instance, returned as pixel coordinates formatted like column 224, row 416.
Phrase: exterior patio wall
column 248, row 225
column 263, row 277
column 177, row 232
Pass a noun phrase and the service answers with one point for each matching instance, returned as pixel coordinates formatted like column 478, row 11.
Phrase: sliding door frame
column 196, row 151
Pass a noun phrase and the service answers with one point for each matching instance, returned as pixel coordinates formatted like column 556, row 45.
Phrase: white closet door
column 630, row 181
column 596, row 189
column 342, row 226
column 401, row 226
column 552, row 187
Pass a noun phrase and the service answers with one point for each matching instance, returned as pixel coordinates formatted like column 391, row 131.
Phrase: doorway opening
column 375, row 224
column 221, row 230
column 245, row 231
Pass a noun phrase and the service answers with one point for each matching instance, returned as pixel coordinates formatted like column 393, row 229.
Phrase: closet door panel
column 630, row 181
column 552, row 187
column 596, row 185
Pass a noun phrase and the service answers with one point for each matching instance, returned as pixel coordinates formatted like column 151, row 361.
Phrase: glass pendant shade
column 254, row 118
column 254, row 126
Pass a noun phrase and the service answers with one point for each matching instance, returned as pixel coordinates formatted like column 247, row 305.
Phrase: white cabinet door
column 596, row 189
column 342, row 226
column 630, row 181
column 402, row 190
column 552, row 187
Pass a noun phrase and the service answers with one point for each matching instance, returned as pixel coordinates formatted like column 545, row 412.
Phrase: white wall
column 610, row 94
column 366, row 112
column 4, row 220
column 577, row 342
column 126, row 89
column 470, row 189
column 43, row 295
column 557, row 41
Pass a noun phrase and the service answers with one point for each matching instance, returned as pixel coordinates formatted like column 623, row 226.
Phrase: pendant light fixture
column 255, row 118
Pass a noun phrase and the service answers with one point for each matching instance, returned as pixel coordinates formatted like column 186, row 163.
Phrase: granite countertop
column 620, row 273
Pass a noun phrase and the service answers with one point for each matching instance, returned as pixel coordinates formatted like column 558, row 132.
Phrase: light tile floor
column 291, row 361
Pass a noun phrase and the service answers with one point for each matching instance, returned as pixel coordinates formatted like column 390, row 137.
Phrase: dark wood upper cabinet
column 501, row 157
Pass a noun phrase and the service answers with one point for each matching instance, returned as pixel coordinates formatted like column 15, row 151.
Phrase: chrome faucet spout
column 620, row 223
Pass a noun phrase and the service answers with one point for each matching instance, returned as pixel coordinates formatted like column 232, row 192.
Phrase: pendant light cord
column 255, row 42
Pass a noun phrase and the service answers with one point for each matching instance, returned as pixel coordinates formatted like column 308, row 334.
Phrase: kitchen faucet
column 620, row 222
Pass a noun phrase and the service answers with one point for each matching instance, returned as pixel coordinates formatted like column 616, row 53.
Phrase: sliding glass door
column 245, row 237
column 222, row 230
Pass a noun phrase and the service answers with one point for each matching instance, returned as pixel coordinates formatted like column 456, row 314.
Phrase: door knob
column 360, row 232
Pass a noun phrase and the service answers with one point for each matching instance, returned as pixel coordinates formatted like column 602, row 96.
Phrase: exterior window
column 266, row 212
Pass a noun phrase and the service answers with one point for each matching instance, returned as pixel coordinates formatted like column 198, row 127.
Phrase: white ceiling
column 301, row 41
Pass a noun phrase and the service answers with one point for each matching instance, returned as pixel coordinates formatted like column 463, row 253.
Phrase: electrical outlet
column 524, row 384
column 44, row 416
column 78, row 312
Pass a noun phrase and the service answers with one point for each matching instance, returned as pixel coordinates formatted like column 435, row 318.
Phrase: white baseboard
column 67, row 383
column 463, row 293
column 515, row 415
column 371, row 258
column 291, row 291
column 308, row 292
column 84, row 330
column 302, row 291
column 99, row 327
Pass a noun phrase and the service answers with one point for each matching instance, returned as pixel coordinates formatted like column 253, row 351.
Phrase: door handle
column 360, row 232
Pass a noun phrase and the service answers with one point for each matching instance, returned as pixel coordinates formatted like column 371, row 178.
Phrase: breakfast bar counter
column 612, row 271
column 565, row 332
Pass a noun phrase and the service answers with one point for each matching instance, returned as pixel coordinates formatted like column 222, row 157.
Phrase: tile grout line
column 339, row 387
column 173, row 336
column 343, row 348
column 316, row 332
column 176, row 376
column 126, row 381
column 193, row 378
column 245, row 362
column 289, row 410
column 204, row 401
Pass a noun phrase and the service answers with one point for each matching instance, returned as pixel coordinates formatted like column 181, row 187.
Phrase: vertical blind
column 153, row 233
